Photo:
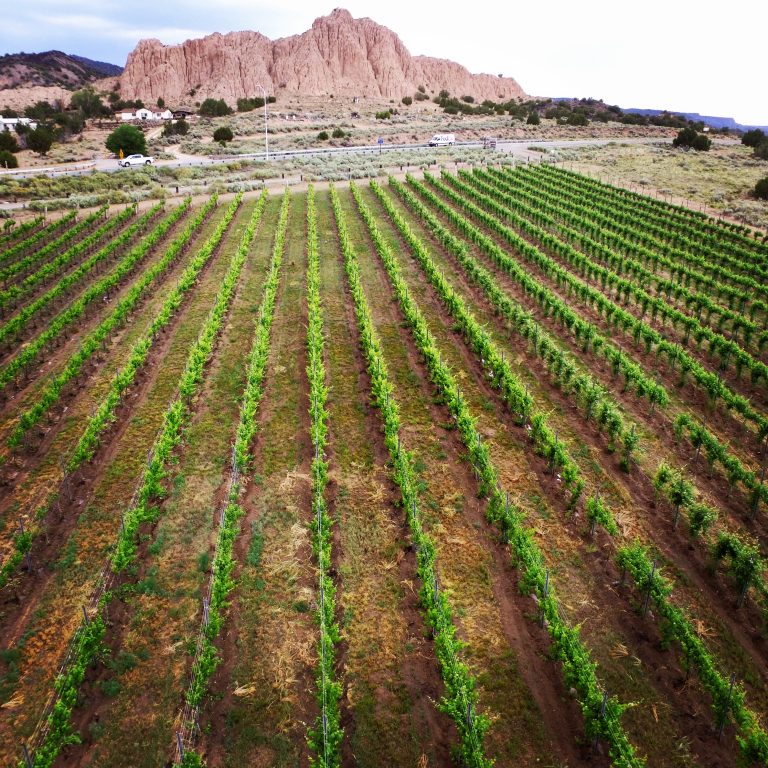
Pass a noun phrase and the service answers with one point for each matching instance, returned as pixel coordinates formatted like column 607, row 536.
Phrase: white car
column 127, row 162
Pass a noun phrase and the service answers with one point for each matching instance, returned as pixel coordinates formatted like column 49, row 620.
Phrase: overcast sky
column 659, row 53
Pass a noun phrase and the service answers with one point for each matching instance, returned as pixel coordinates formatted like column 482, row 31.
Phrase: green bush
column 178, row 128
column 8, row 159
column 215, row 108
column 702, row 143
column 533, row 119
column 689, row 138
column 753, row 138
column 468, row 99
column 223, row 135
column 577, row 118
column 247, row 105
column 420, row 96
column 128, row 138
column 761, row 189
column 407, row 100
column 323, row 136
column 338, row 133
column 40, row 140
column 89, row 103
column 761, row 150
column 8, row 142
column 385, row 115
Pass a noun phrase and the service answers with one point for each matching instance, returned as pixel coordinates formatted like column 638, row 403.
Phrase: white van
column 442, row 140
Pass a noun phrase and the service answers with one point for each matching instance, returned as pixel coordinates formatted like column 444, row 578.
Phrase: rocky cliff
column 339, row 55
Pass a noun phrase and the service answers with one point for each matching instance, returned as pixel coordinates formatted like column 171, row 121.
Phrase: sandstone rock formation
column 338, row 56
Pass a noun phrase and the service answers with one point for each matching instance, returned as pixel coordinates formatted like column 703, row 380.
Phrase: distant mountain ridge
column 712, row 121
column 50, row 69
column 339, row 56
column 103, row 67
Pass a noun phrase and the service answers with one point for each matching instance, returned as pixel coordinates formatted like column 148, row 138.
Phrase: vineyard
column 462, row 469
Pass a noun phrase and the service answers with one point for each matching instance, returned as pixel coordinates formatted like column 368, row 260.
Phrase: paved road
column 517, row 147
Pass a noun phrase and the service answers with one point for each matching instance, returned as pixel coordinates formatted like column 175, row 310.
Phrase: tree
column 178, row 128
column 41, row 110
column 8, row 159
column 215, row 108
column 761, row 189
column 577, row 118
column 761, row 150
column 533, row 119
column 753, row 138
column 127, row 138
column 8, row 142
column 40, row 140
column 688, row 138
column 160, row 102
column 223, row 135
column 702, row 143
column 88, row 102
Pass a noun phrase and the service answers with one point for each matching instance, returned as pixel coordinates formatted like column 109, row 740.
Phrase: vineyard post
column 85, row 616
column 603, row 705
column 724, row 716
column 544, row 596
column 647, row 598
column 180, row 745
column 27, row 757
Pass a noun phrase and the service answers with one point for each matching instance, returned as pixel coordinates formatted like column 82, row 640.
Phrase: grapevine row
column 563, row 366
column 655, row 252
column 325, row 737
column 76, row 310
column 43, row 253
column 55, row 266
column 19, row 321
column 59, row 731
column 19, row 232
column 594, row 232
column 700, row 515
column 105, row 413
column 585, row 333
column 712, row 384
column 86, row 349
column 718, row 344
column 741, row 554
column 35, row 237
column 514, row 393
column 178, row 413
column 460, row 699
column 752, row 739
column 601, row 718
column 221, row 584
column 695, row 228
column 718, row 453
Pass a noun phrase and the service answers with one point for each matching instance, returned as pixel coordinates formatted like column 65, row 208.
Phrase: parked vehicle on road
column 127, row 162
column 442, row 140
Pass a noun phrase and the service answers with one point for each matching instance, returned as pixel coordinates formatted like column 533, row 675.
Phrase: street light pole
column 266, row 117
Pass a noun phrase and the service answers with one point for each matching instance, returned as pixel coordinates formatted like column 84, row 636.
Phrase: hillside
column 52, row 68
column 338, row 56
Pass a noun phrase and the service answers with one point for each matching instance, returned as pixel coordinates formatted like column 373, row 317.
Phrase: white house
column 10, row 123
column 145, row 114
